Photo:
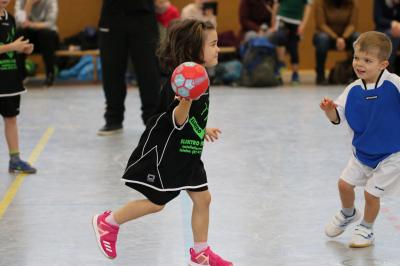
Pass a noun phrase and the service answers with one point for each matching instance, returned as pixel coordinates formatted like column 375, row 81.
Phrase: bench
column 93, row 53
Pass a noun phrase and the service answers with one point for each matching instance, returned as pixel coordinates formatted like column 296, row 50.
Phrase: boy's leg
column 11, row 133
column 363, row 235
column 372, row 206
column 347, row 194
column 10, row 111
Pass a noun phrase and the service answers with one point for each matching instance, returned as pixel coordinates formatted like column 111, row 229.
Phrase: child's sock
column 110, row 219
column 366, row 224
column 14, row 156
column 200, row 246
column 348, row 212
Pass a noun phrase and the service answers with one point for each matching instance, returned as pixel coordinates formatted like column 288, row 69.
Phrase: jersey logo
column 196, row 127
column 371, row 97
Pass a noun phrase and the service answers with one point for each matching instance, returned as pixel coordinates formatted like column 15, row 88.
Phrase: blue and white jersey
column 372, row 113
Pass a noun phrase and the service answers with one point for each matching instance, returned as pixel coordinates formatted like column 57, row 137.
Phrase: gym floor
column 272, row 175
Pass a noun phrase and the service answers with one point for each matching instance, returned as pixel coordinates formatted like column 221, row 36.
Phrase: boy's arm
column 330, row 109
column 18, row 45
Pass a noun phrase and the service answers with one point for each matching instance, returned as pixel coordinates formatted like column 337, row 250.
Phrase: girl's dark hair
column 184, row 42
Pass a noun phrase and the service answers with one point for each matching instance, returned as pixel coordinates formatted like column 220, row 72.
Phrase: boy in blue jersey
column 370, row 106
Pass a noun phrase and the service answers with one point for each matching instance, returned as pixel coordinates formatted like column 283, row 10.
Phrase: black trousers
column 137, row 40
column 46, row 42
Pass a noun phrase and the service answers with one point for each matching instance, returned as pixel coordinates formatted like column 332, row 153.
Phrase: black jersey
column 10, row 81
column 168, row 157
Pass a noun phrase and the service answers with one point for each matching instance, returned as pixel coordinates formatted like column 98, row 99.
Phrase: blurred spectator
column 335, row 29
column 165, row 12
column 256, row 17
column 36, row 21
column 203, row 10
column 291, row 19
column 387, row 20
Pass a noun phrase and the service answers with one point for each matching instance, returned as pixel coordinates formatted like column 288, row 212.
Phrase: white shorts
column 383, row 180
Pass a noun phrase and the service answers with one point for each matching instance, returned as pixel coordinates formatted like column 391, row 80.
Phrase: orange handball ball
column 190, row 80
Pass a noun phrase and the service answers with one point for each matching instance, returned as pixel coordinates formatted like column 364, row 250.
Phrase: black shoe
column 108, row 130
column 49, row 80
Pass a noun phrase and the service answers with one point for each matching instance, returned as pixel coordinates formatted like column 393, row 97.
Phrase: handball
column 190, row 80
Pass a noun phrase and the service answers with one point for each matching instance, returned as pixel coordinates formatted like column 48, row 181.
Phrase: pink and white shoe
column 106, row 235
column 207, row 258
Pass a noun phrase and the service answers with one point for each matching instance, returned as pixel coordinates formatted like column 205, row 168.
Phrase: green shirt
column 292, row 10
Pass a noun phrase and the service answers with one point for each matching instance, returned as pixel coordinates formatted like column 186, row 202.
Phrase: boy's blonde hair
column 374, row 40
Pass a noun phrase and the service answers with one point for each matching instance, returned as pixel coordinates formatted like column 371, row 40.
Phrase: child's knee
column 344, row 186
column 10, row 120
column 156, row 207
column 203, row 199
column 371, row 199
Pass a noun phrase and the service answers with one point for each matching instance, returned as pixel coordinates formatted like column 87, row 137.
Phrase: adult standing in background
column 36, row 21
column 336, row 29
column 128, row 28
column 387, row 20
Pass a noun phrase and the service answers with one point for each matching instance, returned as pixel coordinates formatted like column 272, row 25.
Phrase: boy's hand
column 327, row 105
column 212, row 134
column 20, row 44
column 28, row 49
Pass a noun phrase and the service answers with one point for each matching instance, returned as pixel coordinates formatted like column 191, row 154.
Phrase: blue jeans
column 323, row 43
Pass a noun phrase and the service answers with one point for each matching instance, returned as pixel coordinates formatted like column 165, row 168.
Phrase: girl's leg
column 135, row 209
column 11, row 133
column 200, row 215
column 372, row 206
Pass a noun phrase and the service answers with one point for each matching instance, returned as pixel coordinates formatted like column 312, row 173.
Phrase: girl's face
column 4, row 3
column 367, row 65
column 210, row 49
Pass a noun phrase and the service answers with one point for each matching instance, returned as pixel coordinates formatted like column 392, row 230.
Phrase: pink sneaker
column 207, row 258
column 106, row 235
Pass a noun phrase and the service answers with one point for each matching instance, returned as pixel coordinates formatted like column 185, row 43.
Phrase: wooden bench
column 93, row 53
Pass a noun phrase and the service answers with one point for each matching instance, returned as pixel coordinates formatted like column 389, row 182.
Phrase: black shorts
column 160, row 197
column 9, row 106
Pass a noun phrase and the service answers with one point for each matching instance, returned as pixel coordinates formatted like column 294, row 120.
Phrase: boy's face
column 210, row 49
column 367, row 65
column 4, row 3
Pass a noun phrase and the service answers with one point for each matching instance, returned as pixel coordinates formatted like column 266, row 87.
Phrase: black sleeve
column 336, row 123
column 167, row 98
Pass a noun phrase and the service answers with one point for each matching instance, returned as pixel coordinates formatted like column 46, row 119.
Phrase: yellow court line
column 13, row 189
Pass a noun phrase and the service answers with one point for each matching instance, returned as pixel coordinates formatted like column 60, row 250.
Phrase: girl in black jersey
column 168, row 156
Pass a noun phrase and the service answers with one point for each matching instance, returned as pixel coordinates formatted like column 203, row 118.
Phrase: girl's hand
column 327, row 105
column 182, row 99
column 28, row 49
column 212, row 134
column 20, row 44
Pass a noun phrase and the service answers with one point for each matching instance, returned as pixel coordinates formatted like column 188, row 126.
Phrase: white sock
column 200, row 246
column 110, row 219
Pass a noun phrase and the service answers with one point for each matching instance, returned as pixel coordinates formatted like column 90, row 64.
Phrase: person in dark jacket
column 387, row 20
column 128, row 29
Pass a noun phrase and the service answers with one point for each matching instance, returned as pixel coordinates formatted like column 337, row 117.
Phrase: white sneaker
column 339, row 223
column 362, row 237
